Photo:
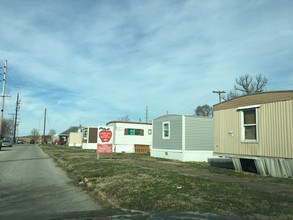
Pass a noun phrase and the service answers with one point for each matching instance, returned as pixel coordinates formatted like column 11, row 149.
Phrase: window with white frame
column 149, row 131
column 132, row 131
column 249, row 124
column 166, row 130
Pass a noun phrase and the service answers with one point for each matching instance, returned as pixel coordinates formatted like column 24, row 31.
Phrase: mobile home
column 131, row 137
column 90, row 137
column 256, row 131
column 75, row 139
column 183, row 137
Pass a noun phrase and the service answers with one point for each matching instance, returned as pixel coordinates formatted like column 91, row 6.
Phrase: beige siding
column 275, row 131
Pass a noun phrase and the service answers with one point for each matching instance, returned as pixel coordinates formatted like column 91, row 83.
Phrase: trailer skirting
column 276, row 167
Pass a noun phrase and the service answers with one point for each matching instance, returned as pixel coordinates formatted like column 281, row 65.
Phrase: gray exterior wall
column 198, row 133
column 175, row 141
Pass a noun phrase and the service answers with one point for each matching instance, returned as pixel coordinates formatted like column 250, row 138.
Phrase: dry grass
column 142, row 183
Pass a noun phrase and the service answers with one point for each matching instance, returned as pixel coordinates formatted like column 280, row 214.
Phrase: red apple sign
column 105, row 135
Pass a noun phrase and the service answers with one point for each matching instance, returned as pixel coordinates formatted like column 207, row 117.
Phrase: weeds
column 148, row 184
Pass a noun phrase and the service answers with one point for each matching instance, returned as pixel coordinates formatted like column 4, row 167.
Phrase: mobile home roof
column 258, row 98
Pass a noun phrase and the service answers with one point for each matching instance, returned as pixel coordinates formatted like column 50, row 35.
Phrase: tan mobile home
column 256, row 131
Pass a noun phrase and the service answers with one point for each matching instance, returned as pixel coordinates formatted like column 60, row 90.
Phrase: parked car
column 6, row 143
column 19, row 142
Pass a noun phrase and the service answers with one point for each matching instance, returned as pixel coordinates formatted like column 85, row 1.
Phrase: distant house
column 256, row 131
column 46, row 139
column 131, row 137
column 64, row 136
column 183, row 137
column 35, row 139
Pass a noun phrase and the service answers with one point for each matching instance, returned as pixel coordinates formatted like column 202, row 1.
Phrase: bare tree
column 246, row 85
column 7, row 128
column 231, row 95
column 35, row 134
column 124, row 118
column 205, row 110
column 52, row 132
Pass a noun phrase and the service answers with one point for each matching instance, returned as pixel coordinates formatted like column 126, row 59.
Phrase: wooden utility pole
column 146, row 114
column 15, row 121
column 44, row 132
column 219, row 93
column 3, row 97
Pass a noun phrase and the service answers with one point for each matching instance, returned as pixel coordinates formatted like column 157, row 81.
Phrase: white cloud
column 92, row 62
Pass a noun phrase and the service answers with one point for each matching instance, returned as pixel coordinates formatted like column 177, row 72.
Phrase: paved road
column 30, row 183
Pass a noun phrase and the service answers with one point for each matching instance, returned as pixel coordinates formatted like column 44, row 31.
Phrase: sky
column 89, row 62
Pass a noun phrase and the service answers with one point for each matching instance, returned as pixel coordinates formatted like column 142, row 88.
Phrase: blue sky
column 91, row 62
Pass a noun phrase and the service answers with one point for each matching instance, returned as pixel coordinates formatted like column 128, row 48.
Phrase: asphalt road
column 31, row 183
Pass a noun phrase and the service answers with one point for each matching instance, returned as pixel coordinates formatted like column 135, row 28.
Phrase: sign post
column 105, row 141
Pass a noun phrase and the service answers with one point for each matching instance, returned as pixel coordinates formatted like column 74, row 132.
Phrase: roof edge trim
column 248, row 107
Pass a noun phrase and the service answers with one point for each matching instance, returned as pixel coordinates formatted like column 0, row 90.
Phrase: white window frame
column 242, row 109
column 163, row 130
column 149, row 131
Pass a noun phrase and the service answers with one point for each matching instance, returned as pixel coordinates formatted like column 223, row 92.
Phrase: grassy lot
column 139, row 182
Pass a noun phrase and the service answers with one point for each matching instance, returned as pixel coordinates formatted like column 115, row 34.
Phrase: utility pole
column 3, row 97
column 44, row 132
column 147, row 114
column 219, row 93
column 15, row 122
column 13, row 119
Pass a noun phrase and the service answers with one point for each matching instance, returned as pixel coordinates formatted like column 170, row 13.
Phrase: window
column 249, row 124
column 85, row 135
column 150, row 132
column 166, row 130
column 132, row 131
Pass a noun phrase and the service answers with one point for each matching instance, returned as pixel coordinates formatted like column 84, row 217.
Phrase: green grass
column 139, row 182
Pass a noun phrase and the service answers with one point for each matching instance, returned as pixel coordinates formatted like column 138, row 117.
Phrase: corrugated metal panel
column 198, row 133
column 275, row 127
column 175, row 141
column 227, row 133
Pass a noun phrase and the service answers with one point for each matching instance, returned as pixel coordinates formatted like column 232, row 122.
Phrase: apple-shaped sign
column 105, row 134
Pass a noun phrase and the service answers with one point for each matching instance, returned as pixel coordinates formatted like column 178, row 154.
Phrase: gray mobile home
column 183, row 137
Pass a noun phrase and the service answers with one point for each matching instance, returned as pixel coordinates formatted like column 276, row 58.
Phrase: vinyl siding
column 119, row 138
column 198, row 133
column 175, row 141
column 275, row 131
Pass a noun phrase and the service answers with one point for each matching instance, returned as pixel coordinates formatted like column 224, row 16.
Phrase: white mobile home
column 90, row 137
column 183, row 137
column 131, row 137
column 256, row 131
